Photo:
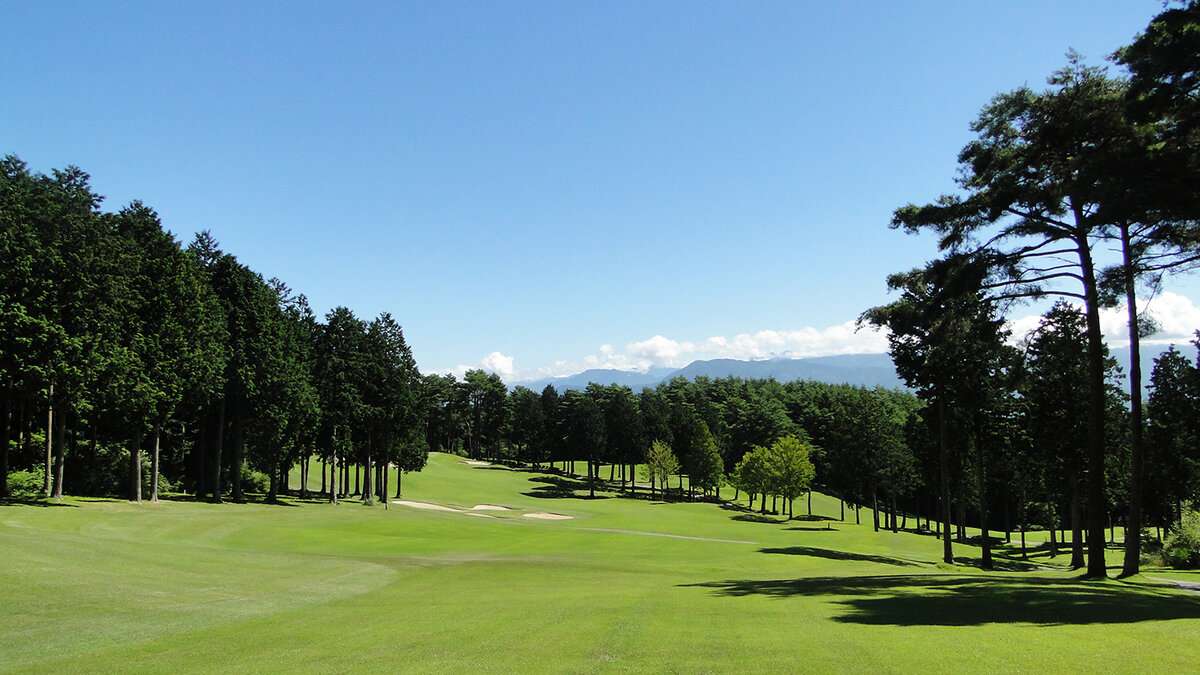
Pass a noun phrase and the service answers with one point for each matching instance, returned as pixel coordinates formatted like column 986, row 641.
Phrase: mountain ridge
column 867, row 370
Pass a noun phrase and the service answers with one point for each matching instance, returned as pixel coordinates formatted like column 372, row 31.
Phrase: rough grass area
column 107, row 586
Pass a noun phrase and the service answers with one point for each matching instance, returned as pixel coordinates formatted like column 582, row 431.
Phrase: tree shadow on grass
column 814, row 518
column 800, row 528
column 999, row 563
column 928, row 600
column 41, row 503
column 830, row 554
column 758, row 518
column 558, row 487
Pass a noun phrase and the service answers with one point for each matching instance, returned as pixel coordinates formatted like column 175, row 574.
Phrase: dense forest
column 133, row 364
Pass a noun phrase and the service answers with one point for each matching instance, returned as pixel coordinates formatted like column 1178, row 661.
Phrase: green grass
column 108, row 586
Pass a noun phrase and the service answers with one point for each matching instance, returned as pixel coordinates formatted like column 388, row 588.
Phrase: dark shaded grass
column 939, row 600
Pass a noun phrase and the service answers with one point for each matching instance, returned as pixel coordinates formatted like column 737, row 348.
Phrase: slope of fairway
column 624, row 585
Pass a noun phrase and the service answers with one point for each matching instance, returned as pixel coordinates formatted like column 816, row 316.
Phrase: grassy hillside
column 107, row 586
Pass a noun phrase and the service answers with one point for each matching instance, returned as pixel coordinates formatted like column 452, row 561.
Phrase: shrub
column 255, row 481
column 1181, row 550
column 27, row 484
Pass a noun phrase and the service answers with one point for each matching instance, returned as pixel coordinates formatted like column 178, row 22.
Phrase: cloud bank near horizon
column 660, row 351
column 1177, row 316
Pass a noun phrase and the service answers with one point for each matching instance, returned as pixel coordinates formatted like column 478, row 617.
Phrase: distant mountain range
column 859, row 369
column 867, row 370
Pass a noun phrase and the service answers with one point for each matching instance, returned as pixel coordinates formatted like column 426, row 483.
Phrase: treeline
column 1052, row 181
column 129, row 362
column 857, row 435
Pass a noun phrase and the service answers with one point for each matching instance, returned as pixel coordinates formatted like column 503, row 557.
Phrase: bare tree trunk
column 1096, row 410
column 48, row 479
column 944, row 470
column 217, row 450
column 981, row 482
column 875, row 509
column 1133, row 523
column 333, row 477
column 154, row 465
column 304, row 475
column 1077, row 560
column 60, row 450
column 135, row 467
column 367, row 492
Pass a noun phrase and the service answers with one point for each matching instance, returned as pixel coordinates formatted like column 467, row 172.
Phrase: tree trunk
column 875, row 509
column 399, row 476
column 333, row 477
column 154, row 467
column 48, row 480
column 810, row 502
column 239, row 450
column 944, row 470
column 1053, row 542
column 367, row 492
column 272, row 485
column 304, row 475
column 135, row 468
column 843, row 502
column 981, row 482
column 961, row 507
column 217, row 451
column 1096, row 399
column 5, row 493
column 60, row 451
column 1077, row 561
column 1133, row 524
column 383, row 488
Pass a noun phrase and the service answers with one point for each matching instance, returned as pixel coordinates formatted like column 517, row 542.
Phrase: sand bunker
column 475, row 462
column 424, row 505
column 478, row 515
column 548, row 516
column 488, row 507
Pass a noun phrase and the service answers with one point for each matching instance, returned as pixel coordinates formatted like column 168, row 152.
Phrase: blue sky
column 544, row 187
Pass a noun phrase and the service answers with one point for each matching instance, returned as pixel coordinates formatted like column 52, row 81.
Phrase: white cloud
column 1177, row 318
column 1176, row 314
column 662, row 351
column 493, row 363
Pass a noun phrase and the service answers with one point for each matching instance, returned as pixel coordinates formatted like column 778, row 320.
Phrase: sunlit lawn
column 107, row 586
